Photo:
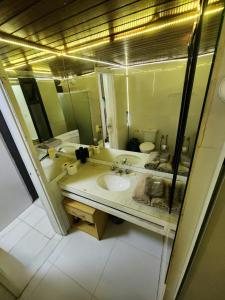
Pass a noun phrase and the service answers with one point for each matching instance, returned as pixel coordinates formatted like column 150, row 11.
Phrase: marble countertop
column 84, row 183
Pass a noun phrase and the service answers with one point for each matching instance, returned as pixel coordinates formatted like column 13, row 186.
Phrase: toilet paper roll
column 65, row 165
column 72, row 169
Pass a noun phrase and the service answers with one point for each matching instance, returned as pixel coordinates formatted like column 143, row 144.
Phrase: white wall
column 52, row 106
column 155, row 93
column 24, row 110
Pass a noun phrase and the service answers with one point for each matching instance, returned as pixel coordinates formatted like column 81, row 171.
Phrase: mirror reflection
column 133, row 109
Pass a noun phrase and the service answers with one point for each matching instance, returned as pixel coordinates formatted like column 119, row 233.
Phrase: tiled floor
column 124, row 265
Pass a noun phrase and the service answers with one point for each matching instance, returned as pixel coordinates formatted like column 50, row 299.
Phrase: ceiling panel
column 66, row 23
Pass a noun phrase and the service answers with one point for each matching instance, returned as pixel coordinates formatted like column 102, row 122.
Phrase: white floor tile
column 57, row 286
column 27, row 249
column 12, row 225
column 26, row 212
column 59, row 249
column 35, row 215
column 83, row 258
column 9, row 240
column 35, row 281
column 38, row 203
column 138, row 237
column 45, row 227
column 44, row 254
column 129, row 274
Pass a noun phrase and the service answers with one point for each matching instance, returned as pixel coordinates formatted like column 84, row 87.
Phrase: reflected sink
column 128, row 159
column 113, row 183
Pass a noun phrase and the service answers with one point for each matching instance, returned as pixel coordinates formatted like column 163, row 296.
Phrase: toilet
column 149, row 141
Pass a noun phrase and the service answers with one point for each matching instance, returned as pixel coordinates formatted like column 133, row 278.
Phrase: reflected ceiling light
column 13, row 41
column 30, row 63
column 139, row 31
column 117, row 36
column 88, row 46
column 154, row 28
column 94, row 60
column 166, row 60
column 38, row 55
column 213, row 11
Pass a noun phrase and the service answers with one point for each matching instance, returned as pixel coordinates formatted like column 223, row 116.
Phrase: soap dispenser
column 164, row 150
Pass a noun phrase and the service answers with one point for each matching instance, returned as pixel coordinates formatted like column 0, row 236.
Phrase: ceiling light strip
column 15, row 41
column 136, row 32
column 94, row 60
column 118, row 36
column 30, row 63
column 88, row 46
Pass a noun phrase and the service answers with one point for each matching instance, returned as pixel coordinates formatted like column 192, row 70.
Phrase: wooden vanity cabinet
column 93, row 221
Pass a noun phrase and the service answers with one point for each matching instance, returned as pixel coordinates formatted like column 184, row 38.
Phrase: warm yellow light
column 213, row 11
column 88, row 46
column 30, row 63
column 27, row 45
column 117, row 36
column 145, row 30
column 93, row 60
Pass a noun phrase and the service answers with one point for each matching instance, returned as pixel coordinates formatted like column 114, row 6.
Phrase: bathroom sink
column 128, row 159
column 113, row 183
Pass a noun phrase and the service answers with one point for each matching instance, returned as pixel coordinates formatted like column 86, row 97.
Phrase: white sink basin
column 113, row 183
column 128, row 159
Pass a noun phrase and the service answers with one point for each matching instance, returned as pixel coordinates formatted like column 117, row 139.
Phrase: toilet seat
column 147, row 147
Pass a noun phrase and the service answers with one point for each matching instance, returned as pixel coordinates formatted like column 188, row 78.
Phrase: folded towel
column 159, row 203
column 157, row 188
column 165, row 167
column 182, row 170
column 176, row 207
column 141, row 191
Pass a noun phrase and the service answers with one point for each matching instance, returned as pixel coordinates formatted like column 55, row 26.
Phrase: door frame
column 207, row 147
column 18, row 129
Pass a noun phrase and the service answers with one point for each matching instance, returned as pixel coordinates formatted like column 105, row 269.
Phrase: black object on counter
column 133, row 145
column 82, row 154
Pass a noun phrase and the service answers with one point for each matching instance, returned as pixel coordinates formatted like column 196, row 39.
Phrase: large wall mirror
column 132, row 103
column 135, row 109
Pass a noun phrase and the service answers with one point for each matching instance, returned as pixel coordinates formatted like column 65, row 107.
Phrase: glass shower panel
column 204, row 67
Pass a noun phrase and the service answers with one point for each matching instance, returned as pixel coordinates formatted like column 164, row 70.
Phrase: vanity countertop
column 84, row 183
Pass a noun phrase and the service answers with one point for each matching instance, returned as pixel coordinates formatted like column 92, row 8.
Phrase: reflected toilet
column 149, row 141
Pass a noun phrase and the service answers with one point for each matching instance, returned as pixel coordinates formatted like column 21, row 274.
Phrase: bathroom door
column 17, row 190
column 14, row 196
